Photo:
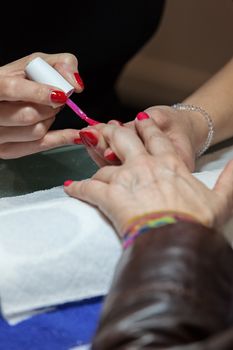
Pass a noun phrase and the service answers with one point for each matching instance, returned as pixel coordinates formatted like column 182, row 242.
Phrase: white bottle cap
column 41, row 72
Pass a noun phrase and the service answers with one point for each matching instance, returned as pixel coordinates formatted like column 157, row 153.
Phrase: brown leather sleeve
column 172, row 290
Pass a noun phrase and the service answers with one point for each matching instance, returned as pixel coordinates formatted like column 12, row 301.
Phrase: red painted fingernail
column 111, row 157
column 58, row 96
column 142, row 116
column 78, row 141
column 68, row 183
column 79, row 80
column 88, row 138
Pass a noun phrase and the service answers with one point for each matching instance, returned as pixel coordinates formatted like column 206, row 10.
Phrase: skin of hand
column 151, row 177
column 187, row 130
column 177, row 125
column 27, row 108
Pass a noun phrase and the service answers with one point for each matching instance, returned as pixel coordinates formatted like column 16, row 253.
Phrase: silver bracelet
column 211, row 131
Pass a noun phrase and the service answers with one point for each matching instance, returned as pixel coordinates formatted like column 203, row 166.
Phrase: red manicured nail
column 58, row 96
column 142, row 116
column 88, row 138
column 68, row 182
column 79, row 80
column 78, row 141
column 111, row 157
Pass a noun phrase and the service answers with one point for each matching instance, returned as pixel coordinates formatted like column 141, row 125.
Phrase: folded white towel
column 55, row 249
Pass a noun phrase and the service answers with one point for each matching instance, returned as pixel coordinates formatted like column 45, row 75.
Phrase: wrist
column 199, row 130
column 201, row 124
column 143, row 223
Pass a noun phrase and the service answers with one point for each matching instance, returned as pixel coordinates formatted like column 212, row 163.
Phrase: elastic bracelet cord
column 142, row 224
column 211, row 131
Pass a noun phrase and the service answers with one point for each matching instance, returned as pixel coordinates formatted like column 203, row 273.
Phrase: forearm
column 172, row 287
column 216, row 97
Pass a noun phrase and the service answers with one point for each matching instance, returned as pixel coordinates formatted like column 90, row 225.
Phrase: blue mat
column 69, row 325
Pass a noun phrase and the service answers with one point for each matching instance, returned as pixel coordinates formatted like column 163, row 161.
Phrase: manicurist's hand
column 181, row 128
column 151, row 177
column 28, row 109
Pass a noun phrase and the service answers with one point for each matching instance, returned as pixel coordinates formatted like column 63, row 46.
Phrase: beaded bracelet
column 141, row 224
column 188, row 107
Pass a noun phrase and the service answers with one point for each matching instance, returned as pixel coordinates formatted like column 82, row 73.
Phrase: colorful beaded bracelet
column 141, row 224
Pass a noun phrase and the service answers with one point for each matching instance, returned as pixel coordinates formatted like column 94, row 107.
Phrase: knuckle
column 34, row 55
column 69, row 58
column 28, row 116
column 63, row 140
column 39, row 131
column 41, row 93
column 172, row 161
column 150, row 137
column 9, row 86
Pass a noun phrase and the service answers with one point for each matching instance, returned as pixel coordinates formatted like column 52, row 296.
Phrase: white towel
column 56, row 249
column 53, row 249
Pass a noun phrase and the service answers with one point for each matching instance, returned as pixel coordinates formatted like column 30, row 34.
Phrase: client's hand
column 27, row 108
column 186, row 130
column 152, row 177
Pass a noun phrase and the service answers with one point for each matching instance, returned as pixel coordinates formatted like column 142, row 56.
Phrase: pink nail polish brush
column 41, row 72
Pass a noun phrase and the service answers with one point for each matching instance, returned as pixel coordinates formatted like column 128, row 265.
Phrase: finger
column 111, row 157
column 224, row 189
column 105, row 174
column 93, row 137
column 52, row 59
column 25, row 133
column 22, row 114
column 155, row 141
column 130, row 125
column 62, row 58
column 90, row 191
column 20, row 89
column 95, row 143
column 67, row 65
column 71, row 75
column 99, row 160
column 123, row 142
column 51, row 140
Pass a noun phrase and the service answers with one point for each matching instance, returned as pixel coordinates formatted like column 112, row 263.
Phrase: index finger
column 65, row 63
column 21, row 89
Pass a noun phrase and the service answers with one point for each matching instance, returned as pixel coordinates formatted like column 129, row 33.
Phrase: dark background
column 103, row 35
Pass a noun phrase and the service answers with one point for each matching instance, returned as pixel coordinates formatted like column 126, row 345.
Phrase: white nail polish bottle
column 40, row 71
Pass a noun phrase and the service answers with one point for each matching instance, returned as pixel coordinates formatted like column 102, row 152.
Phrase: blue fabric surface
column 68, row 326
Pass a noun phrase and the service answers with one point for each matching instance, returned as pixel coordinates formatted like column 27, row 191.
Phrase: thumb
column 52, row 139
